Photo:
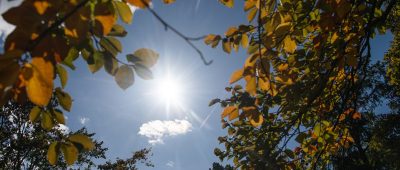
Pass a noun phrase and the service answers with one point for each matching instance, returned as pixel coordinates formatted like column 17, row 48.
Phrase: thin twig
column 184, row 37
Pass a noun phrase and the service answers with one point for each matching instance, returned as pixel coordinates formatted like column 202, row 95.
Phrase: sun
column 169, row 90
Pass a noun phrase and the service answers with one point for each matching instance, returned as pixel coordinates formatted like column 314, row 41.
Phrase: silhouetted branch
column 184, row 37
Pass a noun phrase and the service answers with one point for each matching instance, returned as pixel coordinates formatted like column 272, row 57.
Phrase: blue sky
column 188, row 132
column 117, row 115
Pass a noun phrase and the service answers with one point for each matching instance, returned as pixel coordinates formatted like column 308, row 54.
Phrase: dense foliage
column 308, row 80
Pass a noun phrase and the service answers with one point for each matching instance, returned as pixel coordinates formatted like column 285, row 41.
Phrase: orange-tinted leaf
column 228, row 3
column 168, row 1
column 40, row 86
column 41, row 6
column 140, row 3
column 107, row 22
column 289, row 45
column 357, row 115
column 229, row 110
column 251, row 86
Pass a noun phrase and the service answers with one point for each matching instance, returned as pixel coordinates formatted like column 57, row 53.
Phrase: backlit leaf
column 124, row 11
column 252, row 14
column 140, row 3
column 84, row 140
column 47, row 121
column 228, row 3
column 34, row 113
column 168, row 1
column 124, row 77
column 229, row 110
column 70, row 153
column 52, row 153
column 143, row 72
column 144, row 56
column 289, row 45
column 63, row 75
column 40, row 86
column 41, row 6
column 111, row 44
column 59, row 116
column 236, row 76
column 357, row 115
column 226, row 46
column 245, row 41
column 251, row 86
column 64, row 99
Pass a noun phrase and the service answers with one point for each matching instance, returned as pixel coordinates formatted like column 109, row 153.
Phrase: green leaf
column 34, row 113
column 143, row 72
column 70, row 153
column 63, row 75
column 52, row 153
column 47, row 121
column 124, row 77
column 98, row 62
column 144, row 56
column 64, row 99
column 73, row 54
column 124, row 11
column 59, row 116
column 300, row 138
column 118, row 31
column 84, row 140
column 110, row 64
column 111, row 45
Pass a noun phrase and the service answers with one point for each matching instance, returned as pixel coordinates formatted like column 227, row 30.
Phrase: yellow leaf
column 249, row 4
column 229, row 110
column 84, row 140
column 264, row 84
column 41, row 6
column 124, row 77
column 282, row 67
column 64, row 99
column 231, row 31
column 40, row 85
column 289, row 45
column 236, row 76
column 334, row 37
column 70, row 153
column 124, row 11
column 256, row 120
column 140, row 3
column 245, row 41
column 252, row 14
column 34, row 114
column 226, row 46
column 52, row 153
column 228, row 3
column 169, row 1
column 212, row 39
column 251, row 86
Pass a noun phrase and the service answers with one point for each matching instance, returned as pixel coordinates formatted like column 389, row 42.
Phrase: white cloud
column 64, row 129
column 156, row 130
column 170, row 164
column 4, row 6
column 84, row 120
